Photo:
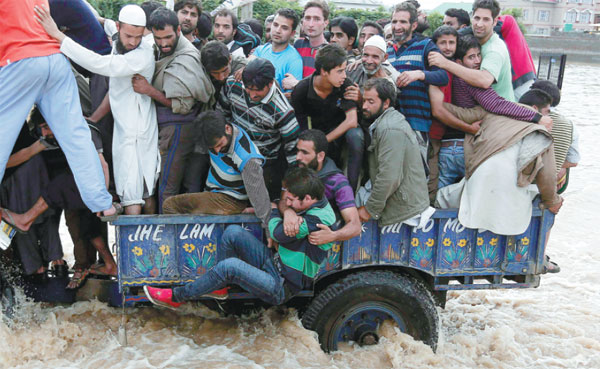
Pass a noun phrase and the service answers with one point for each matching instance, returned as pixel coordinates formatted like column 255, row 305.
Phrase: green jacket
column 399, row 186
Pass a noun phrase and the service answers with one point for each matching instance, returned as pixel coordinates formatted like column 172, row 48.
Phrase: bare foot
column 105, row 270
column 17, row 220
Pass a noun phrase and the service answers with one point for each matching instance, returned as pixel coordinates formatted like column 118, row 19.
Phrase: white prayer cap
column 132, row 14
column 376, row 41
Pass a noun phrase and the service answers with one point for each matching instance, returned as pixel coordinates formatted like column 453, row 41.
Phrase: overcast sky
column 425, row 4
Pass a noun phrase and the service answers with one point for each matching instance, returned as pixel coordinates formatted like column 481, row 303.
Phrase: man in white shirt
column 135, row 140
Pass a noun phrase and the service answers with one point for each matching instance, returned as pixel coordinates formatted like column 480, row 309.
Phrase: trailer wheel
column 353, row 308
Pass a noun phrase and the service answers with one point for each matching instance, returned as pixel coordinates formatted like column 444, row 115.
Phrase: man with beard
column 312, row 148
column 180, row 88
column 235, row 179
column 279, row 51
column 188, row 12
column 373, row 65
column 456, row 18
column 368, row 29
column 135, row 140
column 268, row 23
column 409, row 56
column 398, row 185
column 225, row 25
column 218, row 64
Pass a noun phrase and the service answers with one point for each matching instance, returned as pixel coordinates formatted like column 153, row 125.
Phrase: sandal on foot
column 113, row 217
column 78, row 279
column 11, row 221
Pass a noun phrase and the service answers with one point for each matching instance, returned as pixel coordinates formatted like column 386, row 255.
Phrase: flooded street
column 554, row 326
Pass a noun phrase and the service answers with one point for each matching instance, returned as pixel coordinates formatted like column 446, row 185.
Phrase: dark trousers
column 354, row 141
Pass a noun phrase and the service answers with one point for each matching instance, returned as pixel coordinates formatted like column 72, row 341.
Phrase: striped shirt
column 270, row 122
column 225, row 174
column 467, row 96
column 307, row 53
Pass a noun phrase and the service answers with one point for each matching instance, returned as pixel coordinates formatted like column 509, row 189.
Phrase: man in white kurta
column 135, row 140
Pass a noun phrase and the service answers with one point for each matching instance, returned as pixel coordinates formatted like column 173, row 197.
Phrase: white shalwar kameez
column 136, row 159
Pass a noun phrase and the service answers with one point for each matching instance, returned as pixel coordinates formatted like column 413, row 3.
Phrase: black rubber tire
column 7, row 297
column 404, row 295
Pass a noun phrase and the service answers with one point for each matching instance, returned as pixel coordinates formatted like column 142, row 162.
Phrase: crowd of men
column 181, row 111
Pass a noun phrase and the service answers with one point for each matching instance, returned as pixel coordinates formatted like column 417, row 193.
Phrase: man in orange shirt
column 32, row 71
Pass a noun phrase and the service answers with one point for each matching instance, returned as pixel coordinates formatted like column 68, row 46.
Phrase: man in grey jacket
column 399, row 187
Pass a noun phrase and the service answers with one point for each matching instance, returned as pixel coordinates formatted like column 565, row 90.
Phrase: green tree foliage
column 110, row 8
column 435, row 20
column 360, row 15
column 261, row 9
column 517, row 13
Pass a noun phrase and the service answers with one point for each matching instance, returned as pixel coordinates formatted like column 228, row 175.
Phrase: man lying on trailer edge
column 245, row 261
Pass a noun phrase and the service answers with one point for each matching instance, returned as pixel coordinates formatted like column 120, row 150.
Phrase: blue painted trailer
column 170, row 250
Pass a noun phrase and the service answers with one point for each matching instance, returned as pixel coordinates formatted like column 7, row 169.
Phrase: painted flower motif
column 430, row 242
column 137, row 251
column 335, row 247
column 525, row 241
column 211, row 247
column 154, row 272
column 447, row 242
column 479, row 241
column 462, row 243
column 189, row 247
column 415, row 242
column 494, row 241
column 165, row 249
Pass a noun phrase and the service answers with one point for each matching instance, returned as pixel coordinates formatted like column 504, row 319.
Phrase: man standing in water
column 32, row 71
column 135, row 140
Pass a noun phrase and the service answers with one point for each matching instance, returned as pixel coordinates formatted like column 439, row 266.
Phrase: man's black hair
column 227, row 13
column 536, row 97
column 375, row 25
column 346, row 24
column 302, row 181
column 36, row 118
column 461, row 16
column 329, row 57
column 492, row 5
column 162, row 17
column 465, row 43
column 317, row 137
column 210, row 127
column 317, row 4
column 180, row 4
column 214, row 55
column 407, row 7
column 204, row 25
column 385, row 89
column 550, row 88
column 148, row 7
column 443, row 30
column 258, row 73
column 256, row 26
column 415, row 3
column 289, row 14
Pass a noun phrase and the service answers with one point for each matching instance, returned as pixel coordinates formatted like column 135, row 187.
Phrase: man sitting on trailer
column 247, row 262
column 312, row 149
column 235, row 176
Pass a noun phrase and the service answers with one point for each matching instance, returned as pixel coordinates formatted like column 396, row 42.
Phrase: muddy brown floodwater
column 554, row 326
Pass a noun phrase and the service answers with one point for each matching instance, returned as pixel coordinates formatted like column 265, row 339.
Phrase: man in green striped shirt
column 247, row 262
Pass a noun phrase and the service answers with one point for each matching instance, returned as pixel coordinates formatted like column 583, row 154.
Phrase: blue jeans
column 48, row 82
column 244, row 261
column 451, row 164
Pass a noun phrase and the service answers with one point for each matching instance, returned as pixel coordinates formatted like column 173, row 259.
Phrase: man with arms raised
column 495, row 65
column 312, row 149
column 180, row 88
column 279, row 51
column 135, row 140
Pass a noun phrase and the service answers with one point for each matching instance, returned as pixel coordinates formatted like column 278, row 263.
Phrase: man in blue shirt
column 279, row 52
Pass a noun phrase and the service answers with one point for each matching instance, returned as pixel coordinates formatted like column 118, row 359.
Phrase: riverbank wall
column 580, row 47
